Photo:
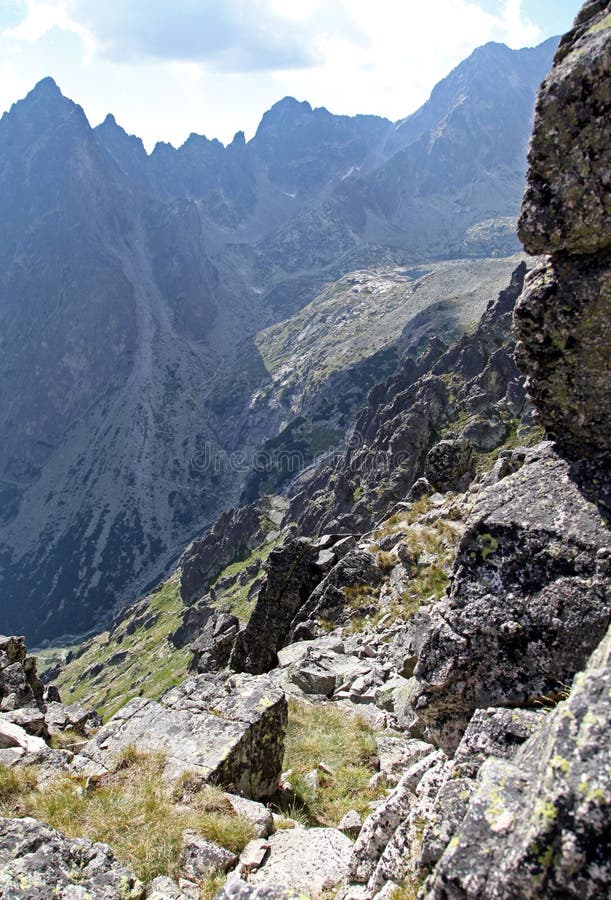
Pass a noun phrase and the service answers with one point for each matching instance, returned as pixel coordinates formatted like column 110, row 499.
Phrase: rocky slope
column 135, row 286
column 462, row 610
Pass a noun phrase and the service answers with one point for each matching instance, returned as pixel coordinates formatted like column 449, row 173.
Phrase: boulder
column 162, row 888
column 561, row 320
column 566, row 206
column 292, row 574
column 351, row 824
column 13, row 735
column 227, row 729
column 260, row 817
column 60, row 717
column 200, row 858
column 37, row 862
column 30, row 718
column 236, row 889
column 450, row 465
column 310, row 861
column 529, row 600
column 253, row 855
column 540, row 824
column 212, row 647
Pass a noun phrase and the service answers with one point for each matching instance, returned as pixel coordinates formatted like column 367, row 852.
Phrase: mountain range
column 138, row 292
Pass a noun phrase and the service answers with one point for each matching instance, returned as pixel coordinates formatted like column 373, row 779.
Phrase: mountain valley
column 306, row 497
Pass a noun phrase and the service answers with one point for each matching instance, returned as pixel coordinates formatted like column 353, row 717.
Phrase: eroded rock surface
column 530, row 598
column 37, row 862
column 228, row 730
column 540, row 824
column 310, row 861
column 562, row 318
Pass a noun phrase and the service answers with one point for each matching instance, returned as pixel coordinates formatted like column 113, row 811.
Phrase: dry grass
column 346, row 744
column 131, row 809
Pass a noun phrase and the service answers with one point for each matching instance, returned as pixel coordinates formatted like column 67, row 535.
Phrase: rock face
column 293, row 571
column 567, row 203
column 540, row 824
column 419, row 421
column 37, row 862
column 530, row 597
column 228, row 730
column 563, row 344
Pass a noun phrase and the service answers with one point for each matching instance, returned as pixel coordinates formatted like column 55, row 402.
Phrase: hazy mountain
column 133, row 287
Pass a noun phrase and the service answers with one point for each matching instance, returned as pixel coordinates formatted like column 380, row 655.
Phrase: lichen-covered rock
column 310, row 861
column 561, row 320
column 530, row 597
column 450, row 465
column 236, row 889
column 540, row 825
column 567, row 205
column 200, row 857
column 227, row 730
column 37, row 862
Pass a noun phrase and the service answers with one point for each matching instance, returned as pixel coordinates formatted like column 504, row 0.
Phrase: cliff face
column 562, row 319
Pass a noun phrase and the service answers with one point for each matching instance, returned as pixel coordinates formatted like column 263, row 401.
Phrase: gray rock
column 234, row 533
column 31, row 718
column 59, row 717
column 313, row 677
column 13, row 735
column 236, row 889
column 37, row 862
column 379, row 828
column 253, row 855
column 487, row 434
column 540, row 825
column 529, row 599
column 228, row 730
column 12, row 650
column 310, row 861
column 398, row 752
column 212, row 648
column 257, row 814
column 450, row 465
column 292, row 575
column 351, row 824
column 162, row 888
column 562, row 316
column 560, row 321
column 566, row 205
column 200, row 858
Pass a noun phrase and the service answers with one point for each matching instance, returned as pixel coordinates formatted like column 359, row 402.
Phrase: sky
column 166, row 68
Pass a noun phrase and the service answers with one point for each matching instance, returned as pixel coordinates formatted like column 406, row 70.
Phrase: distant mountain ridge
column 133, row 287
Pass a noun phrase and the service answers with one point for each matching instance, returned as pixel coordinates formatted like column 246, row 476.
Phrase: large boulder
column 311, row 861
column 229, row 730
column 530, row 596
column 293, row 571
column 539, row 825
column 561, row 320
column 37, row 862
column 567, row 204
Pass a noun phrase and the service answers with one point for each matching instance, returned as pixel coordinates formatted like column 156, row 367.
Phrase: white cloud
column 169, row 67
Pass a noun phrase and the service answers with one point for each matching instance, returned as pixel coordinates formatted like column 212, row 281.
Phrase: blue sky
column 166, row 68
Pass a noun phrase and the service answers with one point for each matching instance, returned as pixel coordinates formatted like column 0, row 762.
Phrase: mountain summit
column 135, row 286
